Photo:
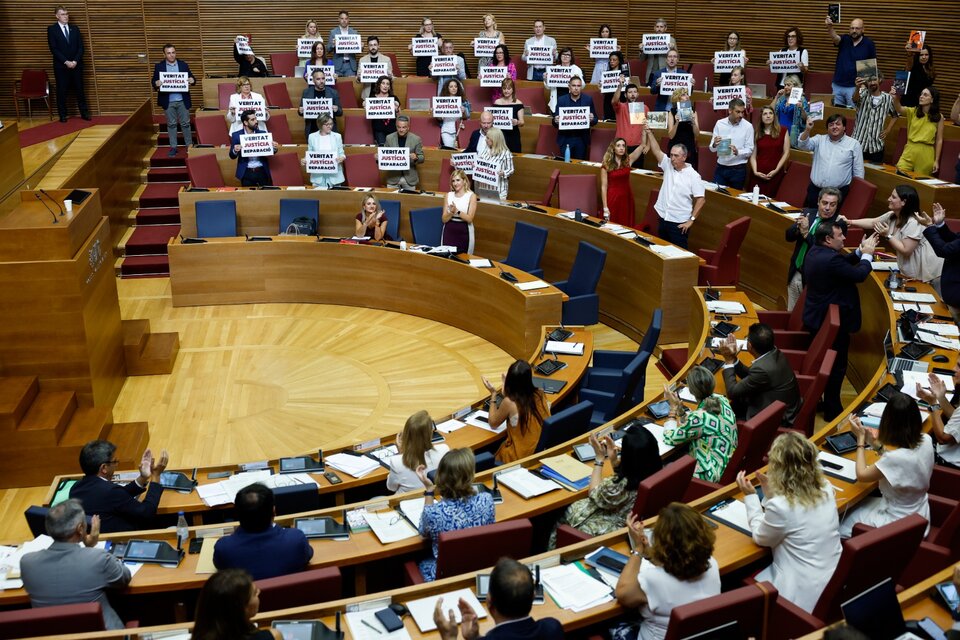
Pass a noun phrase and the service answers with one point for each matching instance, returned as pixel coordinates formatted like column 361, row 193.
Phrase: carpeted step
column 163, row 140
column 44, row 132
column 161, row 194
column 163, row 215
column 150, row 240
column 160, row 158
column 144, row 266
column 167, row 174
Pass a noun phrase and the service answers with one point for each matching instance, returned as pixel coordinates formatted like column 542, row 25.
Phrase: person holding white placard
column 793, row 41
column 317, row 58
column 872, row 125
column 615, row 62
column 251, row 65
column 478, row 139
column 490, row 31
column 732, row 167
column 344, row 64
column 311, row 32
column 403, row 137
column 318, row 90
column 600, row 64
column 508, row 98
column 672, row 66
column 176, row 104
column 253, row 171
column 426, row 31
column 655, row 61
column 535, row 71
column 327, row 140
column 245, row 94
column 732, row 44
column 501, row 58
column 458, row 213
column 374, row 57
column 792, row 116
column 576, row 138
column 448, row 50
column 450, row 127
column 371, row 223
column 382, row 127
column 738, row 79
column 566, row 60
column 496, row 151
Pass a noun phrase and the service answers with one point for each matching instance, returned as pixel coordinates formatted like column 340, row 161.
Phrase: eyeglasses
column 112, row 462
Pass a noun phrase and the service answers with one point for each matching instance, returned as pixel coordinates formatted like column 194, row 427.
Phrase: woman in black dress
column 508, row 98
column 681, row 130
column 382, row 127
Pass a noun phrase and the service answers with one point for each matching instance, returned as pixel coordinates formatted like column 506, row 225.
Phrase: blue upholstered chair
column 583, row 307
column 392, row 209
column 216, row 218
column 291, row 209
column 427, row 225
column 296, row 499
column 565, row 425
column 609, row 403
column 36, row 519
column 526, row 248
column 608, row 365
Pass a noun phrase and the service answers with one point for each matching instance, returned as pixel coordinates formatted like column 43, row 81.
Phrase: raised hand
column 939, row 213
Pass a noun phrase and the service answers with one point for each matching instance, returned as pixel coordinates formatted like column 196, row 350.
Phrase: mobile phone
column 332, row 478
column 611, row 563
column 195, row 545
column 219, row 474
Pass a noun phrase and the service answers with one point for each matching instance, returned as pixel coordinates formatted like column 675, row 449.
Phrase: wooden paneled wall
column 123, row 39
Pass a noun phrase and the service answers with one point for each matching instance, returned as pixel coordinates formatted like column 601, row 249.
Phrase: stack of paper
column 925, row 309
column 451, row 425
column 573, row 589
column 533, row 284
column 422, row 609
column 412, row 509
column 725, row 306
column 565, row 470
column 913, row 378
column 356, row 466
column 225, row 491
column 902, row 296
column 382, row 453
column 669, row 251
column 731, row 512
column 838, row 466
column 564, row 348
column 358, row 621
column 940, row 328
column 885, row 265
column 657, row 431
column 480, row 263
column 526, row 484
column 390, row 526
column 938, row 340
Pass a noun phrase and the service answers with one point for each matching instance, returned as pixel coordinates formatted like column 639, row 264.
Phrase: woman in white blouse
column 328, row 140
column 415, row 449
column 310, row 32
column 903, row 470
column 244, row 93
column 497, row 152
column 797, row 519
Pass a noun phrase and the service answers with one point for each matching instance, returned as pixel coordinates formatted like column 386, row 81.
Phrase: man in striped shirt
column 873, row 107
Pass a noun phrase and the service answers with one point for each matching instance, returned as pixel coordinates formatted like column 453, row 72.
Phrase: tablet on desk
column 324, row 527
column 177, row 481
column 299, row 464
column 151, row 551
column 306, row 630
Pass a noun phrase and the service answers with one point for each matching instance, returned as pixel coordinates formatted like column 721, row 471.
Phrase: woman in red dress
column 615, row 182
column 771, row 154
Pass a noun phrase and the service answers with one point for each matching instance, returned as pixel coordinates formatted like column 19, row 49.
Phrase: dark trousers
column 538, row 73
column 876, row 157
column 832, row 407
column 731, row 176
column 813, row 195
column 639, row 163
column 255, row 178
column 670, row 231
column 579, row 145
column 67, row 78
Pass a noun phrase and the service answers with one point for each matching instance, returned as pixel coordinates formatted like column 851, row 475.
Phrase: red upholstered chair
column 360, row 170
column 762, row 75
column 300, row 589
column 702, row 71
column 597, row 98
column 48, row 621
column 443, row 184
column 600, row 139
column 224, row 91
column 948, row 160
column 547, row 141
column 348, row 96
column 638, row 68
column 276, row 95
column 427, row 128
column 855, row 206
column 723, row 264
column 469, row 126
column 521, row 66
column 280, row 128
column 532, row 97
column 466, row 550
column 283, row 64
column 786, row 322
column 806, row 360
column 479, row 97
column 212, row 130
column 420, row 90
column 942, row 545
column 817, row 82
column 578, row 192
column 747, row 606
column 356, row 130
column 286, row 171
column 651, row 219
column 34, row 84
column 706, row 163
column 395, row 64
column 672, row 361
column 706, row 115
column 650, row 100
column 812, row 390
column 794, row 188
column 663, row 487
column 867, row 559
column 551, row 187
column 204, row 171
column 945, row 482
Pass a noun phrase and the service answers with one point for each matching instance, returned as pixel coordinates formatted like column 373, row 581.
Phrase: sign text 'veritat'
column 370, row 71
column 727, row 61
column 447, row 107
column 656, row 43
column 784, row 61
column 314, row 107
column 305, row 46
column 539, row 56
column 347, row 43
column 493, row 76
column 255, row 145
column 463, row 161
column 424, row 47
column 573, row 118
column 723, row 95
column 377, row 108
column 484, row 47
column 486, row 171
column 393, row 158
column 602, row 47
column 175, row 82
column 443, row 66
column 502, row 117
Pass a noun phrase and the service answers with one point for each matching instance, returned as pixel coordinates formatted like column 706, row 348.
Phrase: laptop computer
column 896, row 363
column 63, row 491
column 876, row 613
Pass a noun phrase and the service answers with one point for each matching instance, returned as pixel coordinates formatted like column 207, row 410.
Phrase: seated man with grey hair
column 69, row 572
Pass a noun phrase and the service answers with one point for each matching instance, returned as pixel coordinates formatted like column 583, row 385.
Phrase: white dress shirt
column 680, row 188
column 741, row 137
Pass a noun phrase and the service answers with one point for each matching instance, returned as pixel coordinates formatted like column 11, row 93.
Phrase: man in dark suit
column 117, row 506
column 176, row 104
column 801, row 234
column 509, row 601
column 253, row 171
column 832, row 278
column 66, row 45
column 319, row 89
column 577, row 139
column 478, row 139
column 769, row 378
column 262, row 548
column 946, row 244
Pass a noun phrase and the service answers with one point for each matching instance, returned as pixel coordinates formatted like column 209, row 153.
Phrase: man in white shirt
column 535, row 72
column 373, row 57
column 681, row 195
column 732, row 163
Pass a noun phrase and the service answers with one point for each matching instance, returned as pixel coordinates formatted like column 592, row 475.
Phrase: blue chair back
column 526, row 248
column 296, row 498
column 291, row 209
column 392, row 209
column 427, row 226
column 216, row 218
column 635, row 379
column 586, row 270
column 36, row 519
column 652, row 336
column 565, row 425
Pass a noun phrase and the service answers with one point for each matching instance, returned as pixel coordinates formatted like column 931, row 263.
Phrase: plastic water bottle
column 893, row 280
column 756, row 194
column 403, row 245
column 183, row 533
column 566, row 153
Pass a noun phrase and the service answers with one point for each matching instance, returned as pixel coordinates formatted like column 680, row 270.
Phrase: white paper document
column 669, row 251
column 657, row 431
column 940, row 328
column 480, row 263
column 725, row 306
column 356, row 466
column 900, row 307
column 939, row 341
column 533, row 284
column 903, row 296
column 525, row 483
column 564, row 348
column 481, row 420
column 838, row 466
column 912, row 378
column 451, row 425
column 375, row 630
column 422, row 609
column 573, row 589
column 733, row 513
column 413, row 509
column 390, row 526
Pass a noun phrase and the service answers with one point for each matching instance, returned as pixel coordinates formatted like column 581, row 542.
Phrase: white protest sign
column 243, row 46
column 329, row 75
column 313, row 107
column 424, row 47
column 393, row 158
column 784, row 61
column 174, row 82
column 723, row 95
column 447, row 107
column 656, row 43
column 670, row 82
column 444, row 66
column 256, row 145
column 370, row 71
column 483, row 47
column 602, row 47
column 486, row 172
column 725, row 61
column 321, row 162
column 463, row 161
column 502, row 117
column 378, row 108
column 796, row 95
column 347, row 43
column 493, row 76
column 539, row 56
column 252, row 105
column 558, row 76
column 609, row 81
column 573, row 118
column 305, row 46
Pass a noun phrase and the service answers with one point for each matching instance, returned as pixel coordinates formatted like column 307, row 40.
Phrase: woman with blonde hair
column 311, row 32
column 461, row 507
column 326, row 140
column 458, row 213
column 415, row 446
column 792, row 117
column 245, row 93
column 496, row 151
column 489, row 31
column 371, row 222
column 426, row 31
column 797, row 519
column 615, row 191
column 678, row 568
column 772, row 152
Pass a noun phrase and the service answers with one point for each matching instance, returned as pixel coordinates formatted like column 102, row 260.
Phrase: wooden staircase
column 147, row 353
column 42, row 432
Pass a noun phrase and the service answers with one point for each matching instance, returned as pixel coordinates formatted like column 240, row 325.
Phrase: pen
column 371, row 626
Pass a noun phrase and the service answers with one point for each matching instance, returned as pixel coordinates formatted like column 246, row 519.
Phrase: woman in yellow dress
column 924, row 132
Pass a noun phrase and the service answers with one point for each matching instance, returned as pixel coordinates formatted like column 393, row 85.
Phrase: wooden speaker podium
column 61, row 339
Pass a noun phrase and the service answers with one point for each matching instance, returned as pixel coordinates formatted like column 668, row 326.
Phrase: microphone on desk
column 53, row 200
column 506, row 275
column 47, row 207
column 337, row 628
column 193, row 476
